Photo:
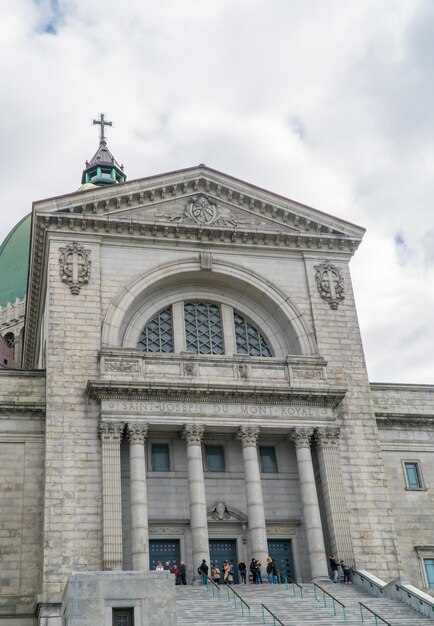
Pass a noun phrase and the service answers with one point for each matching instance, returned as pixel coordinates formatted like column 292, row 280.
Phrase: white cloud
column 329, row 103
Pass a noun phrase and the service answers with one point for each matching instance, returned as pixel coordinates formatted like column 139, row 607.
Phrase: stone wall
column 22, row 428
column 405, row 415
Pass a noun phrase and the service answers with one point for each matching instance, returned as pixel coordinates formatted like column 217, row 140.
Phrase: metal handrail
column 276, row 620
column 236, row 595
column 377, row 617
column 242, row 601
column 214, row 585
column 410, row 593
column 334, row 600
column 291, row 582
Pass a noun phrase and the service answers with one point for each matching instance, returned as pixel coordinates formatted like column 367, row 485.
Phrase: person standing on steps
column 215, row 573
column 203, row 571
column 334, row 568
column 242, row 569
column 258, row 573
column 346, row 570
column 182, row 573
column 253, row 571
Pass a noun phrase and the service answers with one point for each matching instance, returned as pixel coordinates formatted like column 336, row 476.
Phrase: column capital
column 137, row 432
column 301, row 437
column 248, row 435
column 193, row 433
column 110, row 431
column 328, row 435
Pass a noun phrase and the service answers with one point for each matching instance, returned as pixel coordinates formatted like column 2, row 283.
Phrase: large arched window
column 203, row 328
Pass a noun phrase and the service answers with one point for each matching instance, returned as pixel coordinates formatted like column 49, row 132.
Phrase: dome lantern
column 103, row 169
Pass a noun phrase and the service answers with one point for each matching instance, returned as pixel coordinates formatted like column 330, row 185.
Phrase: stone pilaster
column 309, row 499
column 248, row 435
column 137, row 434
column 338, row 525
column 111, row 435
column 193, row 435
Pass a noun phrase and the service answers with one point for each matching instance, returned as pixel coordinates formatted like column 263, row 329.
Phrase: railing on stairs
column 231, row 593
column 376, row 616
column 288, row 581
column 276, row 620
column 334, row 600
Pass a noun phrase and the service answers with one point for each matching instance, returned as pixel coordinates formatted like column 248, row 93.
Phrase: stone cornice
column 184, row 183
column 107, row 390
column 30, row 408
column 404, row 420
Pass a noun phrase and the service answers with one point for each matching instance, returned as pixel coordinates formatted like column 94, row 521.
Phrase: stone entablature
column 255, row 372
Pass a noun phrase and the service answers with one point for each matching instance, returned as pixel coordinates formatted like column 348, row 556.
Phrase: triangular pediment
column 201, row 197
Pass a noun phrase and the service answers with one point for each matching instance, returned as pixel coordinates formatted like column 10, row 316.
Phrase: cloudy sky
column 330, row 103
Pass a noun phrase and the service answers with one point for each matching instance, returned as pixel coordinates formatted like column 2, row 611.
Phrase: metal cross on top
column 102, row 122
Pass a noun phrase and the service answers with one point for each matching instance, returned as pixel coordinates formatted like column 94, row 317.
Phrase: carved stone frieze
column 220, row 512
column 243, row 371
column 301, row 436
column 122, row 365
column 328, row 436
column 110, row 431
column 74, row 265
column 248, row 435
column 299, row 373
column 190, row 369
column 137, row 433
column 330, row 283
column 193, row 433
column 166, row 530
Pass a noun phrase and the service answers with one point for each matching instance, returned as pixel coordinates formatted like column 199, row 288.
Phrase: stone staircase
column 196, row 606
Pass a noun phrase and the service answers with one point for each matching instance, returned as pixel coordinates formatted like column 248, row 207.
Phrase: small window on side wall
column 429, row 572
column 413, row 475
column 267, row 456
column 214, row 458
column 160, row 458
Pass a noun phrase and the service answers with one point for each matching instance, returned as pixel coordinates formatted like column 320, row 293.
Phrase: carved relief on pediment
column 220, row 512
column 203, row 211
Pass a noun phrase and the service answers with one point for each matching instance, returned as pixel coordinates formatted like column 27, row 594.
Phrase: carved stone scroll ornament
column 193, row 433
column 110, row 431
column 248, row 435
column 205, row 260
column 123, row 365
column 74, row 265
column 301, row 437
column 330, row 283
column 137, row 433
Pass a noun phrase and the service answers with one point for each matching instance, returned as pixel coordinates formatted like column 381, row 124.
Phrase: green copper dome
column 14, row 261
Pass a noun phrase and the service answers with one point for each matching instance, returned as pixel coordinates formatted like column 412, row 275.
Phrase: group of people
column 180, row 572
column 335, row 565
column 226, row 574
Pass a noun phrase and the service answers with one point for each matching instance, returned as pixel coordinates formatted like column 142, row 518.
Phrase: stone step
column 196, row 606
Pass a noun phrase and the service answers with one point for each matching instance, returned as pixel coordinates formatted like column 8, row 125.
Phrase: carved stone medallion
column 330, row 283
column 74, row 265
column 201, row 211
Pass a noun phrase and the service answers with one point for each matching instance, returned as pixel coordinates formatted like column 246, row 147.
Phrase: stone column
column 338, row 524
column 137, row 434
column 309, row 499
column 248, row 436
column 111, row 435
column 193, row 435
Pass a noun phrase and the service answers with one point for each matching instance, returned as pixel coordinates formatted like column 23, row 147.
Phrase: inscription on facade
column 214, row 409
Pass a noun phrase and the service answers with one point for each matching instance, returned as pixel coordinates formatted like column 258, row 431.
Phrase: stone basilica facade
column 193, row 385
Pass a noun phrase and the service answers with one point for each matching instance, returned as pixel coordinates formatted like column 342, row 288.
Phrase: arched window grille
column 203, row 328
column 205, row 331
column 157, row 336
column 248, row 338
